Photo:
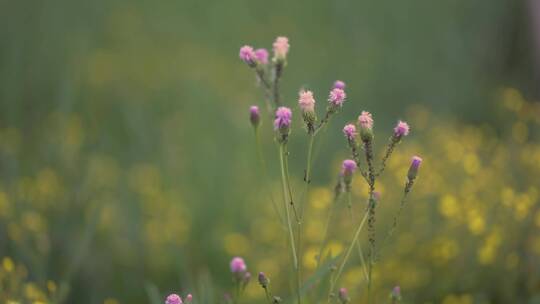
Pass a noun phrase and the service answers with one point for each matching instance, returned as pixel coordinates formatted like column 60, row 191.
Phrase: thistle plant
column 360, row 141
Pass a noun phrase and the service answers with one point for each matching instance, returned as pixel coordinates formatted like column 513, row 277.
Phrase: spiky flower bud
column 263, row 280
column 247, row 55
column 262, row 56
column 282, row 123
column 307, row 106
column 413, row 169
column 401, row 130
column 281, row 48
column 255, row 116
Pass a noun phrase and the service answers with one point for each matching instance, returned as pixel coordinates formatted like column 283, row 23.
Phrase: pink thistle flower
column 238, row 265
column 254, row 116
column 247, row 54
column 306, row 101
column 262, row 55
column 173, row 299
column 337, row 97
column 350, row 131
column 281, row 48
column 283, row 118
column 401, row 129
column 365, row 120
column 339, row 85
column 348, row 167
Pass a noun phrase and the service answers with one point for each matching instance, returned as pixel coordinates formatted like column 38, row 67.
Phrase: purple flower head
column 262, row 55
column 401, row 129
column 189, row 298
column 173, row 299
column 365, row 120
column 238, row 265
column 247, row 54
column 254, row 116
column 343, row 295
column 281, row 48
column 306, row 101
column 348, row 167
column 283, row 118
column 416, row 161
column 413, row 169
column 339, row 85
column 350, row 131
column 263, row 280
column 337, row 97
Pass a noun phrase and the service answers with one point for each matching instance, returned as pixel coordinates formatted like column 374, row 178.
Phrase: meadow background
column 128, row 168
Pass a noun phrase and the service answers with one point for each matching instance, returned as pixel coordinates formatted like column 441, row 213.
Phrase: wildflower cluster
column 360, row 140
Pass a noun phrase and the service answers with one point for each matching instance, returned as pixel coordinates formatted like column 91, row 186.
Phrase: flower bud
column 350, row 133
column 343, row 296
column 413, row 169
column 189, row 298
column 246, row 279
column 173, row 299
column 263, row 280
column 339, row 85
column 347, row 169
column 255, row 116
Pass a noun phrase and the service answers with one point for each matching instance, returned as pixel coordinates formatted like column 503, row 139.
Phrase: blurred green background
column 128, row 166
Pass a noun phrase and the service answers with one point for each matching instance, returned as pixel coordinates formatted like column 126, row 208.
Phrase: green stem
column 266, row 177
column 282, row 150
column 358, row 246
column 326, row 230
column 349, row 250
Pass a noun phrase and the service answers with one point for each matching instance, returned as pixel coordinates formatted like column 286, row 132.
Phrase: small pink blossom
column 281, row 48
column 247, row 54
column 401, row 129
column 365, row 120
column 283, row 118
column 189, row 298
column 339, row 85
column 348, row 167
column 337, row 97
column 306, row 101
column 173, row 299
column 350, row 131
column 238, row 265
column 262, row 55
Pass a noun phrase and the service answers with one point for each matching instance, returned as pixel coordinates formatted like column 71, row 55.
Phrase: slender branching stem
column 368, row 149
column 266, row 177
column 358, row 246
column 349, row 250
column 282, row 155
column 406, row 191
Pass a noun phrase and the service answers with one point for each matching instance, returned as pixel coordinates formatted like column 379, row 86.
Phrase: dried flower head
column 350, row 132
column 173, row 299
column 337, row 97
column 238, row 265
column 281, row 48
column 401, row 129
